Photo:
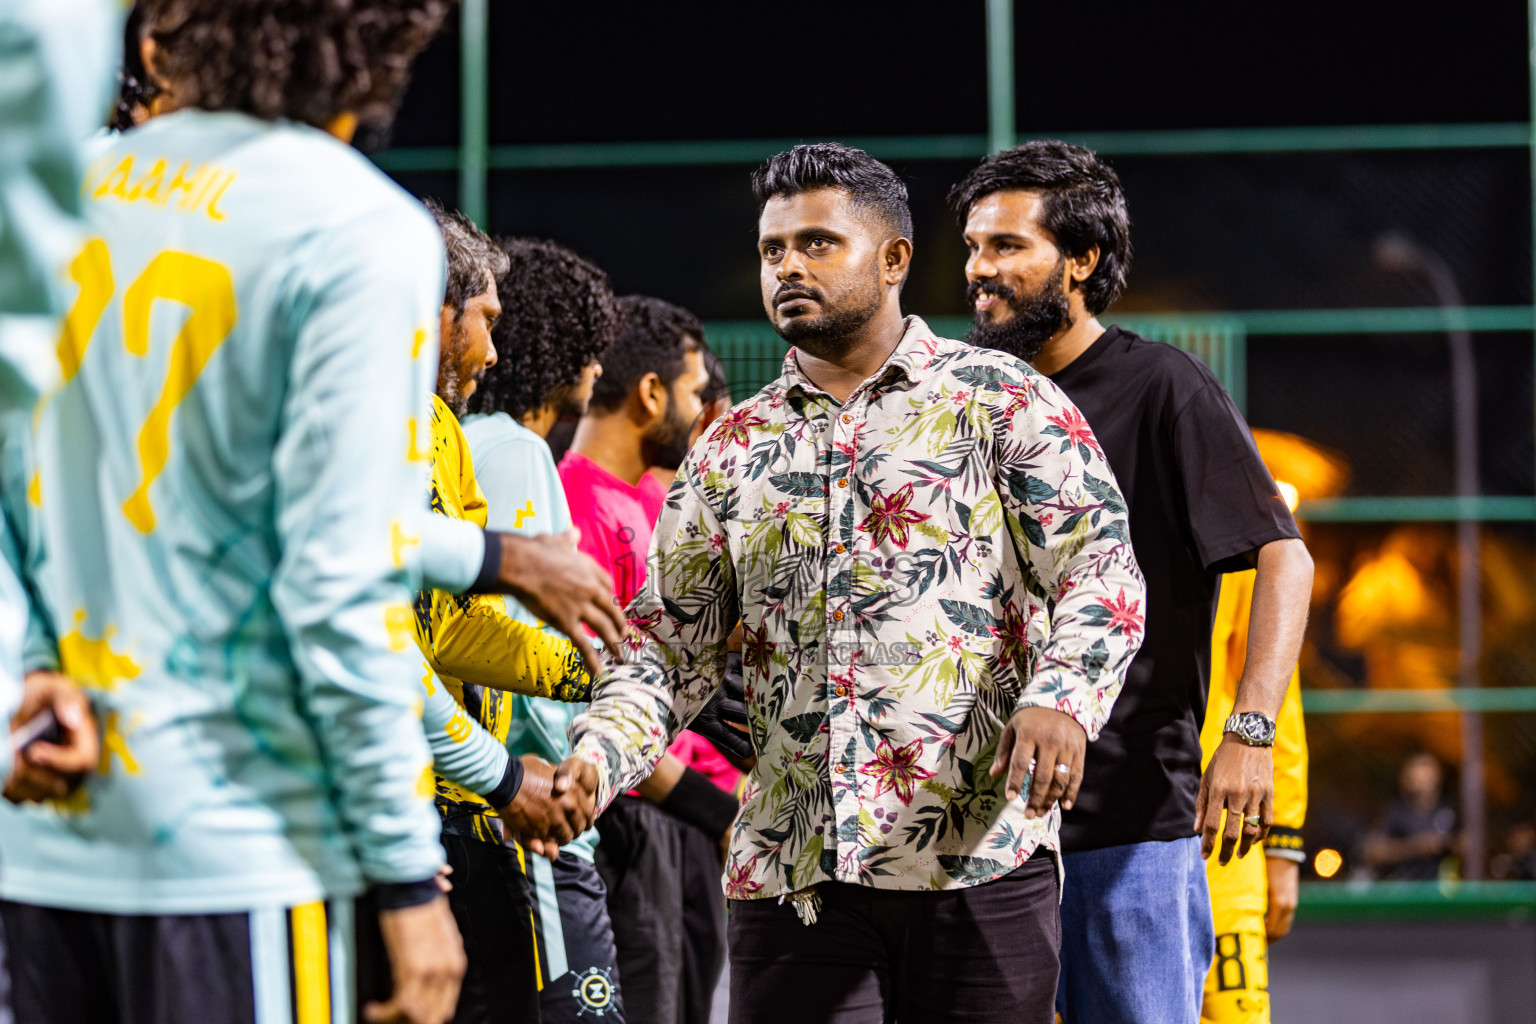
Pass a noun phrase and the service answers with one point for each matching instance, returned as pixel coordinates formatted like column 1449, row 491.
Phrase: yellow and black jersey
column 481, row 654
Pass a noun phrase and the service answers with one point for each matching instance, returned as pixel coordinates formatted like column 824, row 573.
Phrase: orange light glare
column 1289, row 493
column 1327, row 863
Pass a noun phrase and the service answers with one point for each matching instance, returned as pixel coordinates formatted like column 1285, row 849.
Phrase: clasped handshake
column 553, row 806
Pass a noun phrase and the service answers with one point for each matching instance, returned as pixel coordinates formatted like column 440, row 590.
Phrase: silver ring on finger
column 1064, row 769
column 1253, row 820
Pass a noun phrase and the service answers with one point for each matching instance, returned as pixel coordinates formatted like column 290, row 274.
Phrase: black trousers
column 985, row 954
column 668, row 912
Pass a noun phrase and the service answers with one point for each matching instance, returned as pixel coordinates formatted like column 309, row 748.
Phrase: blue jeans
column 1136, row 935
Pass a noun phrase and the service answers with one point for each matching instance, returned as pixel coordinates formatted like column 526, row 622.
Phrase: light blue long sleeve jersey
column 523, row 494
column 57, row 59
column 226, row 483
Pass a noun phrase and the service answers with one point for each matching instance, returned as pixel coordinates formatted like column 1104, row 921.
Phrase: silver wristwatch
column 1252, row 728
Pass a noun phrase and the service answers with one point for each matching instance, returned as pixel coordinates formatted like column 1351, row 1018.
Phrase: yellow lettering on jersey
column 197, row 190
column 206, row 287
column 525, row 511
column 92, row 662
column 91, row 269
column 35, row 489
column 426, row 680
column 417, row 342
column 399, row 540
column 148, row 186
column 115, row 180
column 458, row 728
column 413, row 453
column 399, row 621
column 424, row 783
column 206, row 180
column 114, row 742
column 214, row 213
column 181, row 183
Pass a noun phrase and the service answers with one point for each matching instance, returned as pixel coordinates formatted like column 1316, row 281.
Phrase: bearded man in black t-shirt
column 1048, row 234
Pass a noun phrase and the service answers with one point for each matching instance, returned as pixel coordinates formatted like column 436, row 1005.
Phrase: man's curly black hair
column 303, row 60
column 558, row 314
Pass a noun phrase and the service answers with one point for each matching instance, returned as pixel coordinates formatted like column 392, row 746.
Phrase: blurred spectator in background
column 1518, row 861
column 1418, row 829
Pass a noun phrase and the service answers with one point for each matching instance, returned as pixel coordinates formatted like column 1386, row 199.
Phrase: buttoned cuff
column 1071, row 696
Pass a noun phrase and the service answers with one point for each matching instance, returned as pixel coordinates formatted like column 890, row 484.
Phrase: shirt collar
column 913, row 354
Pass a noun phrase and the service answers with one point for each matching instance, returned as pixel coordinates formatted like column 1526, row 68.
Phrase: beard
column 566, row 402
column 667, row 444
column 1034, row 319
column 453, row 387
column 829, row 334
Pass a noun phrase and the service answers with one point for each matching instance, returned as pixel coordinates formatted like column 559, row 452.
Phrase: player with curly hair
column 224, row 484
column 558, row 316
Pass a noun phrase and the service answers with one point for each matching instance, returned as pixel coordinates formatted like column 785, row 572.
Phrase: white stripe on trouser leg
column 343, row 941
column 551, row 929
column 269, row 966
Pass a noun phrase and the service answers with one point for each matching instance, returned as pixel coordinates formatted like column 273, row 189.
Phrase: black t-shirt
column 1201, row 504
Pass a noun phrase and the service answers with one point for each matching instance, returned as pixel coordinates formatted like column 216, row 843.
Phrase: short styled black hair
column 474, row 261
column 302, row 60
column 868, row 182
column 1083, row 206
column 558, row 314
column 653, row 337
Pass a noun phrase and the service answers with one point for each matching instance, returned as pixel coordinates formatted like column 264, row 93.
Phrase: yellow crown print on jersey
column 92, row 662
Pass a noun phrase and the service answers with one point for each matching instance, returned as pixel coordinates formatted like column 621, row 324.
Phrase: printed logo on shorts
column 594, row 992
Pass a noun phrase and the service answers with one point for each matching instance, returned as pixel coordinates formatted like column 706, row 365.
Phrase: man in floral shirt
column 935, row 596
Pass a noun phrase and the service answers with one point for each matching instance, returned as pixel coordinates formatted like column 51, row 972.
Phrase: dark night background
column 1212, row 232
column 1216, row 232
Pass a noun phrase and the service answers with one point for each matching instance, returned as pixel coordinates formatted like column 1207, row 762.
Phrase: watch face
column 1253, row 728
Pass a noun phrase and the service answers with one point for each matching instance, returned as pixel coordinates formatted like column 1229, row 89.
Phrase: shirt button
column 840, row 549
column 842, row 691
column 847, row 418
column 843, row 482
column 842, row 768
column 837, row 616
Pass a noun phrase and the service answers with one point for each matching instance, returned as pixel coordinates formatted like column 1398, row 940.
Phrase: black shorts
column 494, row 909
column 667, row 908
column 298, row 965
column 577, row 957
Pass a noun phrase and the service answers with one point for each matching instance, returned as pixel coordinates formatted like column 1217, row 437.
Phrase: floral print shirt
column 910, row 567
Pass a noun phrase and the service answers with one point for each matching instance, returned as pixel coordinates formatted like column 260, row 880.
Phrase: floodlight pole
column 474, row 129
column 1000, row 123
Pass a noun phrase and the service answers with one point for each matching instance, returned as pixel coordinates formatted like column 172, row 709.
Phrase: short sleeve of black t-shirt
column 1232, row 502
column 1201, row 504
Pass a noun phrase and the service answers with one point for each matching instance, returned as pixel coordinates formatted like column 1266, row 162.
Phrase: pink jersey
column 653, row 495
column 615, row 526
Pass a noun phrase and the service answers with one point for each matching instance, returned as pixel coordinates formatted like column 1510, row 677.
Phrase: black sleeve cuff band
column 490, row 569
column 400, row 895
column 1283, row 840
column 701, row 804
column 506, row 789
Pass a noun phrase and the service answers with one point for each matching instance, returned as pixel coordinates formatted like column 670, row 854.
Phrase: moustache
column 989, row 287
column 792, row 292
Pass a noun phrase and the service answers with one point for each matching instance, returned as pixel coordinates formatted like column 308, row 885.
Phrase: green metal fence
column 754, row 353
